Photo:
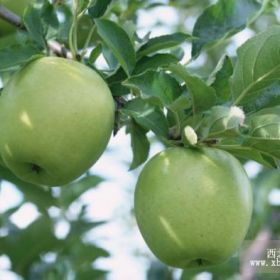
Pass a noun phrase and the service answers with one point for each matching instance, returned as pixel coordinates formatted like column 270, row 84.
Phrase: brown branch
column 10, row 17
column 15, row 20
column 254, row 252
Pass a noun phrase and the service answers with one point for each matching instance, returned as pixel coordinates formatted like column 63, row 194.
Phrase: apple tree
column 205, row 86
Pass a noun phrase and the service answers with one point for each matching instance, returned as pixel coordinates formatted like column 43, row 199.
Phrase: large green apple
column 56, row 119
column 16, row 6
column 193, row 206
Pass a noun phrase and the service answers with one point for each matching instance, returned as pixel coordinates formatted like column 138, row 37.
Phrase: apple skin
column 193, row 206
column 56, row 120
column 16, row 6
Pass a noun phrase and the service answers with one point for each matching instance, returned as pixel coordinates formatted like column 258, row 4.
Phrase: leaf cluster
column 28, row 248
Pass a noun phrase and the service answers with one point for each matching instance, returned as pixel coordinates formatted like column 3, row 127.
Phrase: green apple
column 56, row 120
column 193, row 206
column 18, row 8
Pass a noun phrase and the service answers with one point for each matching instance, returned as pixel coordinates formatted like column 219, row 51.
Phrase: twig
column 59, row 50
column 258, row 246
column 10, row 17
column 15, row 20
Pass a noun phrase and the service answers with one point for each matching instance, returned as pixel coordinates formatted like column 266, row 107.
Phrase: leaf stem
column 177, row 131
column 73, row 31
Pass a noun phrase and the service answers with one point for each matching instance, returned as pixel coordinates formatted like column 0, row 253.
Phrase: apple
column 18, row 8
column 56, row 120
column 193, row 206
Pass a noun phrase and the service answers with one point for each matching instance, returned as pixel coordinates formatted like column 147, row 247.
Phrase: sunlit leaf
column 116, row 38
column 146, row 115
column 220, row 79
column 33, row 22
column 222, row 20
column 203, row 96
column 157, row 85
column 163, row 42
column 16, row 55
column 256, row 75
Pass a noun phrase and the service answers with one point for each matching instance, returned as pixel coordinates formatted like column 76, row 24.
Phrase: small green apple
column 18, row 8
column 193, row 206
column 56, row 120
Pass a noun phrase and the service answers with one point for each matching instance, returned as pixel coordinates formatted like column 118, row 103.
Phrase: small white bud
column 237, row 114
column 190, row 135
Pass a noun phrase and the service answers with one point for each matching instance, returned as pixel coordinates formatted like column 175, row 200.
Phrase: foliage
column 231, row 102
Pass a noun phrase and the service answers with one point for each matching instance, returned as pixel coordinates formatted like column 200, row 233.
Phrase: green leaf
column 118, row 89
column 82, row 254
column 249, row 153
column 179, row 52
column 139, row 144
column 74, row 190
column 222, row 121
column 82, row 5
column 147, row 116
column 49, row 15
column 115, row 83
column 110, row 58
column 95, row 53
column 65, row 26
column 203, row 96
column 99, row 8
column 162, row 42
column 33, row 22
column 154, row 62
column 16, row 55
column 81, row 226
column 91, row 274
column 116, row 38
column 157, row 85
column 267, row 146
column 222, row 20
column 261, row 141
column 24, row 247
column 265, row 123
column 256, row 75
column 264, row 131
column 262, row 150
column 220, row 79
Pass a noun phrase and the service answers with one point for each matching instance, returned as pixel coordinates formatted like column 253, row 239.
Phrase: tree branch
column 10, row 17
column 15, row 20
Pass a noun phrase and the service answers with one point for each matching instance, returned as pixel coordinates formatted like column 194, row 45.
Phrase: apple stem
column 36, row 168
